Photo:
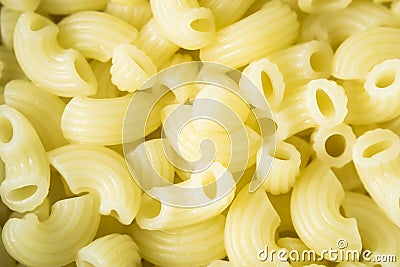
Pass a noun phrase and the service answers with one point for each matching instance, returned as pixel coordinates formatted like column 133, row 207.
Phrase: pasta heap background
column 73, row 194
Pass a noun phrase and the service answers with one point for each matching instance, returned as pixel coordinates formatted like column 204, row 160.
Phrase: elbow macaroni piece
column 41, row 108
column 54, row 242
column 22, row 5
column 89, row 33
column 314, row 208
column 376, row 156
column 63, row 72
column 27, row 180
column 136, row 13
column 195, row 245
column 110, row 250
column 377, row 44
column 254, row 37
column 8, row 20
column 315, row 6
column 61, row 7
column 100, row 171
column 184, row 22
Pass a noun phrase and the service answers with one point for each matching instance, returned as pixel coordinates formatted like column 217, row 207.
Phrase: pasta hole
column 386, row 79
column 376, row 148
column 318, row 61
column 22, row 193
column 335, row 145
column 325, row 104
column 201, row 25
column 38, row 24
column 6, row 132
column 209, row 186
column 267, row 86
column 281, row 154
column 82, row 69
column 153, row 207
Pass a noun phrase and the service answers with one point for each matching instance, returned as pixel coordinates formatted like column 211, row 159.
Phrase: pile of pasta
column 329, row 71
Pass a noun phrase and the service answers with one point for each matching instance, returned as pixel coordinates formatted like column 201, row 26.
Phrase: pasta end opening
column 386, row 79
column 325, row 104
column 335, row 145
column 376, row 148
column 267, row 86
column 6, row 132
column 22, row 193
column 201, row 25
column 318, row 61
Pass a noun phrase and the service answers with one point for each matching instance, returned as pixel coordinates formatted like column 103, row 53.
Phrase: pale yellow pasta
column 42, row 211
column 61, row 7
column 156, row 215
column 27, row 168
column 110, row 250
column 100, row 171
column 319, row 103
column 268, row 79
column 376, row 156
column 88, row 32
column 281, row 204
column 226, row 12
column 8, row 20
column 393, row 125
column 315, row 6
column 72, row 225
column 63, row 72
column 333, row 145
column 5, row 258
column 130, row 68
column 135, row 12
column 152, row 41
column 377, row 44
column 314, row 208
column 295, row 244
column 378, row 233
column 184, row 22
column 105, row 88
column 278, row 169
column 250, row 227
column 150, row 164
column 303, row 62
column 41, row 108
column 349, row 178
column 9, row 67
column 303, row 147
column 21, row 5
column 194, row 245
column 336, row 27
column 270, row 29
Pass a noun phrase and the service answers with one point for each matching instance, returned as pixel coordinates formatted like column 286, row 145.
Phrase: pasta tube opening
column 22, row 193
column 7, row 132
column 335, row 145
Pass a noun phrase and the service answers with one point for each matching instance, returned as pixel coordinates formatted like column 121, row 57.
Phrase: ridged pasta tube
column 63, row 72
column 27, row 168
column 8, row 20
column 195, row 245
column 22, row 5
column 110, row 250
column 315, row 6
column 378, row 233
column 376, row 156
column 314, row 208
column 88, row 32
column 54, row 242
column 100, row 171
column 319, row 103
column 136, row 13
column 250, row 227
column 349, row 63
column 270, row 29
column 61, row 7
column 41, row 108
column 184, row 22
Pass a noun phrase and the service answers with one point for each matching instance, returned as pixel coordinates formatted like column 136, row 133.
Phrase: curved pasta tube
column 314, row 208
column 60, row 7
column 195, row 245
column 254, row 37
column 54, row 242
column 63, row 72
column 130, row 68
column 136, row 13
column 8, row 20
column 110, row 250
column 22, row 5
column 152, row 41
column 184, row 22
column 303, row 62
column 315, row 6
column 268, row 79
column 333, row 145
column 349, row 63
column 250, row 227
column 319, row 103
column 336, row 27
column 281, row 176
column 101, row 171
column 376, row 156
column 88, row 32
column 215, row 184
column 378, row 233
column 27, row 168
column 41, row 108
